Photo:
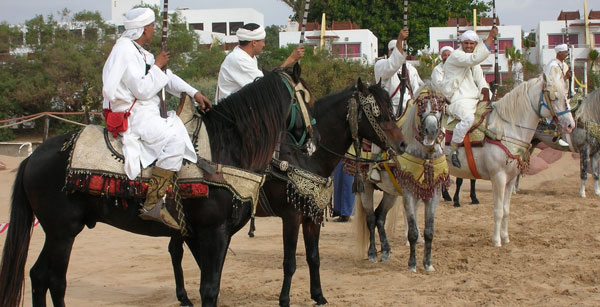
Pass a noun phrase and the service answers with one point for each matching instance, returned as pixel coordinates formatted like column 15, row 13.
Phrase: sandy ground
column 553, row 257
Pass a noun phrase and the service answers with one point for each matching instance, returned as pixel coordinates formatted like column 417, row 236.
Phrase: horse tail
column 16, row 246
column 360, row 228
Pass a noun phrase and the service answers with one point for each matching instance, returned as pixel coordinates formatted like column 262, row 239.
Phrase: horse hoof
column 373, row 259
column 413, row 269
column 497, row 243
column 429, row 268
column 385, row 256
column 475, row 201
column 505, row 240
column 320, row 301
column 582, row 194
column 456, row 205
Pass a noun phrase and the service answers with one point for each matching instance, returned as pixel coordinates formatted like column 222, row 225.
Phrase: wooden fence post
column 46, row 127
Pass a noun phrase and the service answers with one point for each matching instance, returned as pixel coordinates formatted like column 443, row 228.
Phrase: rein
column 299, row 96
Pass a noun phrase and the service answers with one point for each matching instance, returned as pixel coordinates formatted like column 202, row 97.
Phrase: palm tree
column 512, row 56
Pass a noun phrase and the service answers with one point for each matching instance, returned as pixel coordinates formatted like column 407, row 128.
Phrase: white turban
column 561, row 47
column 469, row 35
column 254, row 35
column 136, row 20
column 446, row 48
column 392, row 44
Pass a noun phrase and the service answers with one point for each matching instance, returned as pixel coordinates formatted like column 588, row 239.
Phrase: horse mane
column 514, row 104
column 324, row 104
column 589, row 110
column 245, row 124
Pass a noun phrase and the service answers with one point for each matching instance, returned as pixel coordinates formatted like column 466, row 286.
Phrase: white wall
column 580, row 51
column 208, row 17
column 366, row 39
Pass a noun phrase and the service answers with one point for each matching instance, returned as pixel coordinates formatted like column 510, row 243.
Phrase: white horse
column 421, row 172
column 514, row 119
column 585, row 139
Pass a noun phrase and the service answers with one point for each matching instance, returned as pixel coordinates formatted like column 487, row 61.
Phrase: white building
column 507, row 36
column 553, row 32
column 344, row 39
column 209, row 24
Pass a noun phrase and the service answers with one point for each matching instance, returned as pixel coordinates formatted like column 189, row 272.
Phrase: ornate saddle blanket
column 477, row 132
column 96, row 166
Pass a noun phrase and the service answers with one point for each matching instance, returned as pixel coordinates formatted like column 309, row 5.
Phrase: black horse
column 333, row 124
column 239, row 136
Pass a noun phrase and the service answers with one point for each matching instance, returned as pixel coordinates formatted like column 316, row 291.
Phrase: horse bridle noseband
column 437, row 105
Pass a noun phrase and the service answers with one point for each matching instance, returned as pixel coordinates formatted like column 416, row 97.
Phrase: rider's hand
column 298, row 53
column 162, row 58
column 204, row 103
column 569, row 74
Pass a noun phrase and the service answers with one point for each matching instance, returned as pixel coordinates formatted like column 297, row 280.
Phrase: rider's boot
column 154, row 207
column 454, row 155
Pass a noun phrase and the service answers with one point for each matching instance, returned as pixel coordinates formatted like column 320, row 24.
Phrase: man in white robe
column 388, row 72
column 557, row 71
column 464, row 83
column 437, row 75
column 241, row 67
column 132, row 79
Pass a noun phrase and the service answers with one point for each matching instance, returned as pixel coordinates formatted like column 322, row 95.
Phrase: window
column 196, row 26
column 234, row 26
column 452, row 43
column 557, row 39
column 219, row 27
column 351, row 50
column 503, row 44
column 597, row 40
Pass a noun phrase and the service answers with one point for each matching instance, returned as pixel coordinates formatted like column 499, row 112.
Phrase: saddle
column 478, row 130
column 96, row 166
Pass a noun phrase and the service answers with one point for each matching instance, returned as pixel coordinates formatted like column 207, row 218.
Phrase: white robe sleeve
column 479, row 78
column 113, row 71
column 386, row 68
column 415, row 80
column 177, row 86
column 437, row 75
column 145, row 87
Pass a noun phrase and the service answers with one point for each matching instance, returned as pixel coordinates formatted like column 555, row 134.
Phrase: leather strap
column 470, row 158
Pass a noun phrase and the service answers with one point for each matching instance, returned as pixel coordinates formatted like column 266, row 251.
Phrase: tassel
column 358, row 186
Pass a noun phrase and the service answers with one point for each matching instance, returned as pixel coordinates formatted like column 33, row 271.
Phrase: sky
column 526, row 13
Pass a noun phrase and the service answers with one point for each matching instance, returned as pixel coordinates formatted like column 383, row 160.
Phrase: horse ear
column 296, row 71
column 361, row 87
column 379, row 82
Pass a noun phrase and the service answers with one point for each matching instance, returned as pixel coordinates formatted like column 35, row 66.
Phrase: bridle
column 548, row 93
column 437, row 105
column 300, row 97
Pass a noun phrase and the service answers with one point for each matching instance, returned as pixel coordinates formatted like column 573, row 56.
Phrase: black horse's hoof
column 320, row 301
column 456, row 205
column 455, row 160
column 446, row 196
column 474, row 201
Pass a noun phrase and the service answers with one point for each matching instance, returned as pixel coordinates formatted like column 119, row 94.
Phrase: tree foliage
column 385, row 17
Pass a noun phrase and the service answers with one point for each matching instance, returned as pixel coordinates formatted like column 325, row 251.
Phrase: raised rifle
column 163, row 104
column 567, row 41
column 496, row 83
column 404, row 71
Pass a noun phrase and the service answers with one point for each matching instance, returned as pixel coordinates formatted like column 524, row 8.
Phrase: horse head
column 555, row 105
column 375, row 105
column 428, row 109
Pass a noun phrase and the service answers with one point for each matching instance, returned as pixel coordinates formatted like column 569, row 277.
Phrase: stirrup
column 455, row 160
column 156, row 214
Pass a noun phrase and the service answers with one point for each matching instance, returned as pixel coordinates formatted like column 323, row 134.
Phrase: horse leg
column 459, row 182
column 367, row 203
column 507, row 195
column 50, row 270
column 430, row 207
column 419, row 238
column 176, row 251
column 252, row 228
column 498, row 187
column 413, row 233
column 387, row 202
column 445, row 194
column 291, row 225
column 311, row 232
column 583, row 165
column 212, row 244
column 595, row 171
column 473, row 194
